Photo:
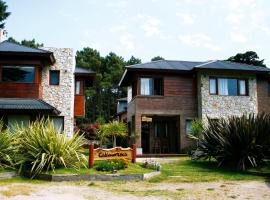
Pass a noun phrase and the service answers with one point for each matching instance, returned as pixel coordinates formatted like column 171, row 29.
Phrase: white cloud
column 186, row 18
column 238, row 37
column 199, row 40
column 118, row 28
column 239, row 4
column 235, row 18
column 127, row 41
column 151, row 26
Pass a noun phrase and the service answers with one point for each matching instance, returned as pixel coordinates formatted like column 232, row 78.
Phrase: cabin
column 37, row 83
column 165, row 96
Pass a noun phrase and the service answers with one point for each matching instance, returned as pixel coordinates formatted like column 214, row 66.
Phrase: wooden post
column 134, row 153
column 91, row 156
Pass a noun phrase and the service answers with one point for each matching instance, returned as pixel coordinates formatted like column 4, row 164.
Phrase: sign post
column 91, row 156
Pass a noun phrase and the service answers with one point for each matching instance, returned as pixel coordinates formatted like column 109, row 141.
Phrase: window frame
column 50, row 77
column 18, row 66
column 153, row 85
column 238, row 86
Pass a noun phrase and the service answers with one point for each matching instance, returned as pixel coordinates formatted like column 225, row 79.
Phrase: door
column 145, row 137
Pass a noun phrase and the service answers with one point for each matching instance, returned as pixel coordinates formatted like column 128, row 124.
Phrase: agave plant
column 42, row 148
column 7, row 148
column 238, row 141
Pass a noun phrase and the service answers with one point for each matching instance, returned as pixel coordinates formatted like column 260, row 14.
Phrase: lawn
column 187, row 170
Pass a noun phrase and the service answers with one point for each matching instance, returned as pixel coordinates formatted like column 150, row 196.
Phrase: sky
column 193, row 30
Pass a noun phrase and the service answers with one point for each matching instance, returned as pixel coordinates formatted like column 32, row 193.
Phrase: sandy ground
column 136, row 190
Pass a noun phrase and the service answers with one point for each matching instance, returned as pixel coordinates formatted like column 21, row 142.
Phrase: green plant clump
column 240, row 142
column 111, row 165
column 42, row 148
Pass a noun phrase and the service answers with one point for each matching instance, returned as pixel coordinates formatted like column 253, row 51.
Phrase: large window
column 54, row 77
column 228, row 86
column 188, row 126
column 17, row 120
column 21, row 74
column 151, row 86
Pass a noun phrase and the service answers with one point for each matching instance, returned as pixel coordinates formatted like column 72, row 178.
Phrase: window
column 161, row 129
column 151, row 86
column 228, row 86
column 54, row 77
column 188, row 126
column 58, row 123
column 78, row 88
column 14, row 120
column 21, row 74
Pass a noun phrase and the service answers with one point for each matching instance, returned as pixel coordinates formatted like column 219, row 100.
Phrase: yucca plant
column 42, row 148
column 239, row 141
column 7, row 148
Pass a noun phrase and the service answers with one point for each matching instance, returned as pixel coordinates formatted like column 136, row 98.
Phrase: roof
column 10, row 48
column 189, row 66
column 122, row 99
column 27, row 105
column 82, row 70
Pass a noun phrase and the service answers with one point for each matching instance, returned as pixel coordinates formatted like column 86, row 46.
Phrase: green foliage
column 156, row 58
column 241, row 142
column 3, row 13
column 111, row 165
column 100, row 120
column 42, row 148
column 7, row 148
column 30, row 43
column 196, row 128
column 249, row 57
column 113, row 129
column 133, row 61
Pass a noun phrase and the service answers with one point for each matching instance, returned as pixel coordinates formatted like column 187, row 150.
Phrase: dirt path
column 136, row 190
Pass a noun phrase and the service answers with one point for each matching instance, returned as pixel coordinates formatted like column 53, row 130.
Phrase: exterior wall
column 263, row 96
column 217, row 106
column 61, row 96
column 179, row 100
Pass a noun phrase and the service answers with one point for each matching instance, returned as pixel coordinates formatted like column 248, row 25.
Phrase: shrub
column 7, row 148
column 111, row 165
column 238, row 141
column 42, row 148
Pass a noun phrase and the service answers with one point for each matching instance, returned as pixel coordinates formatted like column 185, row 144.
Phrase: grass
column 16, row 190
column 187, row 170
column 133, row 168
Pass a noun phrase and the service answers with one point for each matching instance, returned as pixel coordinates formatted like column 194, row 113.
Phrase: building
column 122, row 109
column 164, row 96
column 41, row 82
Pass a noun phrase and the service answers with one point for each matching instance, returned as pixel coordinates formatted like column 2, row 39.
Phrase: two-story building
column 41, row 82
column 164, row 96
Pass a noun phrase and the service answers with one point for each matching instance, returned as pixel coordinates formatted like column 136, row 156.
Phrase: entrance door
column 145, row 137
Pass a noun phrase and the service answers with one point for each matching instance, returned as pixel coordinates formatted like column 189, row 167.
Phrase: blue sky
column 195, row 30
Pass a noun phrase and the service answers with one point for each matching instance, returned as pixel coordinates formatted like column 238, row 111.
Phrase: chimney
column 3, row 35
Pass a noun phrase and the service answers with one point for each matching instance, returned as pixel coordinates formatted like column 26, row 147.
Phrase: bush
column 111, row 165
column 7, row 148
column 42, row 148
column 238, row 141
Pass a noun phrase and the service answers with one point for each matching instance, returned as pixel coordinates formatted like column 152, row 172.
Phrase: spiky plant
column 239, row 141
column 7, row 148
column 42, row 148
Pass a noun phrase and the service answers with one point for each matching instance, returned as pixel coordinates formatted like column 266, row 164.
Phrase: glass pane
column 158, row 86
column 213, row 89
column 58, row 123
column 223, row 86
column 23, row 74
column 242, row 87
column 20, row 120
column 232, row 86
column 54, row 77
column 78, row 87
column 146, row 86
column 188, row 126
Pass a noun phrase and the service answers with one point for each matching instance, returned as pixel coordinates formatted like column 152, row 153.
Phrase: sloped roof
column 189, row 66
column 82, row 70
column 27, row 105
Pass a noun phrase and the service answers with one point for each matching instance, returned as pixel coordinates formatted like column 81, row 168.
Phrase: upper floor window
column 54, row 77
column 228, row 86
column 19, row 74
column 79, row 87
column 151, row 86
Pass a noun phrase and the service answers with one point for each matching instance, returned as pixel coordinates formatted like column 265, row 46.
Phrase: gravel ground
column 136, row 190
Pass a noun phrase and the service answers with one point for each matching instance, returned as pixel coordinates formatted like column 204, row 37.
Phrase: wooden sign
column 114, row 153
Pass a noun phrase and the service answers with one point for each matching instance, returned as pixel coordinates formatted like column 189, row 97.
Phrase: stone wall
column 61, row 96
column 216, row 106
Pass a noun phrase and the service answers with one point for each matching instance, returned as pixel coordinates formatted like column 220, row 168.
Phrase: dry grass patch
column 16, row 190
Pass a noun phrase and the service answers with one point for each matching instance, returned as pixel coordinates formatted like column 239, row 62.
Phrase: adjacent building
column 41, row 82
column 164, row 96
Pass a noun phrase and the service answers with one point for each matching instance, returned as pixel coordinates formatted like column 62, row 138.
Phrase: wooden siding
column 79, row 106
column 263, row 96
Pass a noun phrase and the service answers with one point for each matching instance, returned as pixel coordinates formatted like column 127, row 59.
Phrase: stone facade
column 61, row 96
column 217, row 106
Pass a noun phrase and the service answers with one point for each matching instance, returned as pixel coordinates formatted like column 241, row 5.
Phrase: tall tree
column 133, row 61
column 157, row 58
column 3, row 13
column 249, row 57
column 102, row 97
column 29, row 43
